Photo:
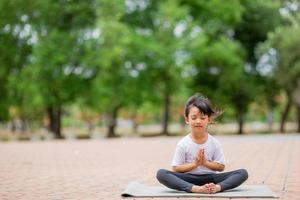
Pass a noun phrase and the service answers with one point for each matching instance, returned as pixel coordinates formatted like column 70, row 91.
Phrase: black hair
column 203, row 104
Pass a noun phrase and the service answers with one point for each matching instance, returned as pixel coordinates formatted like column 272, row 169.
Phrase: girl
column 198, row 156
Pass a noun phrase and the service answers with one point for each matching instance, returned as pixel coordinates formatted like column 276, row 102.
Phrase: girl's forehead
column 195, row 111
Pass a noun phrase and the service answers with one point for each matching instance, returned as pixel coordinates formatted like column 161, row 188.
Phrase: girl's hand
column 200, row 159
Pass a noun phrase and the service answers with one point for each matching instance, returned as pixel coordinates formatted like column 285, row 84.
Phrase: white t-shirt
column 187, row 149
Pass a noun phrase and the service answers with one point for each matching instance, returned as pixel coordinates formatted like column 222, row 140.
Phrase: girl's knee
column 244, row 174
column 161, row 173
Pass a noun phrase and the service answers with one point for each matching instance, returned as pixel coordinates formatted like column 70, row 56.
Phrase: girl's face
column 197, row 121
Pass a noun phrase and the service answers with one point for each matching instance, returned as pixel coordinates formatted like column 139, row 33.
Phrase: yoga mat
column 135, row 189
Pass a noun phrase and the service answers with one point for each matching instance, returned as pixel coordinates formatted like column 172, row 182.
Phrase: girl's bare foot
column 214, row 188
column 201, row 189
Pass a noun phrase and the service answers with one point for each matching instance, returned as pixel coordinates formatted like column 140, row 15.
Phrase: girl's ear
column 186, row 119
column 210, row 120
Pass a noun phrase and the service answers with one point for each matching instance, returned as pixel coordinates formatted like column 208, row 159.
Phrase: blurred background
column 115, row 68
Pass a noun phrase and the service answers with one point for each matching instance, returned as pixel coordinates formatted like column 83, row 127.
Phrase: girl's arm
column 214, row 166
column 185, row 167
column 190, row 166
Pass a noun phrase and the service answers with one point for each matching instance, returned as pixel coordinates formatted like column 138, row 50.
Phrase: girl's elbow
column 222, row 168
column 174, row 168
column 177, row 169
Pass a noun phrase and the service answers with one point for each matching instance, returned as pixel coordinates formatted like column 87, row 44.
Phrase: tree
column 283, row 53
column 55, row 70
column 286, row 42
column 258, row 19
column 163, row 27
column 15, row 47
column 165, row 55
column 117, row 84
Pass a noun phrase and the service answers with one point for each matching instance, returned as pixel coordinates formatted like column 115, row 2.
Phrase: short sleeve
column 219, row 154
column 179, row 156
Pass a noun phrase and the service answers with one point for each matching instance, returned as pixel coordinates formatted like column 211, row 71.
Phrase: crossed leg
column 206, row 183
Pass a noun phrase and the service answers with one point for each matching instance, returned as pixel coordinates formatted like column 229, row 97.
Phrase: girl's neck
column 199, row 138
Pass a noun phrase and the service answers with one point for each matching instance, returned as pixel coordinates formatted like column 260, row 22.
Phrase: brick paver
column 102, row 168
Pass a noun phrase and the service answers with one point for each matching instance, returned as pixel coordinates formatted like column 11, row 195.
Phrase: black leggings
column 185, row 181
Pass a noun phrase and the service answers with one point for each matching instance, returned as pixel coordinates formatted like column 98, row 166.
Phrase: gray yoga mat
column 135, row 189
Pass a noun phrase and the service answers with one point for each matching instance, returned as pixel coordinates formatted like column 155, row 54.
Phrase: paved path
column 101, row 169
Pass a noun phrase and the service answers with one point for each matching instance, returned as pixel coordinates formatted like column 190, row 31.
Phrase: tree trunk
column 165, row 117
column 13, row 125
column 298, row 117
column 23, row 125
column 270, row 119
column 54, row 113
column 182, row 124
column 240, row 119
column 239, row 102
column 135, row 123
column 285, row 113
column 296, row 97
column 90, row 126
column 112, row 123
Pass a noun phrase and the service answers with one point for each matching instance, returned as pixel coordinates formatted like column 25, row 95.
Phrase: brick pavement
column 101, row 169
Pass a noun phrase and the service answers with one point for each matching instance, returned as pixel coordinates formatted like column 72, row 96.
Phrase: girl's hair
column 203, row 104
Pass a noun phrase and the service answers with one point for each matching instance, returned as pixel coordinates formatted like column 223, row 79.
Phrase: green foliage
column 57, row 76
column 286, row 42
column 104, row 55
column 14, row 48
column 113, row 82
column 165, row 50
column 216, row 14
column 258, row 19
column 64, row 15
column 217, row 65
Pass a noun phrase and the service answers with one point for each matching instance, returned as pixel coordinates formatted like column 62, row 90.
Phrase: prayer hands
column 200, row 158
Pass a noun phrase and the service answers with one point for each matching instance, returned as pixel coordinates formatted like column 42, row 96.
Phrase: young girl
column 198, row 156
